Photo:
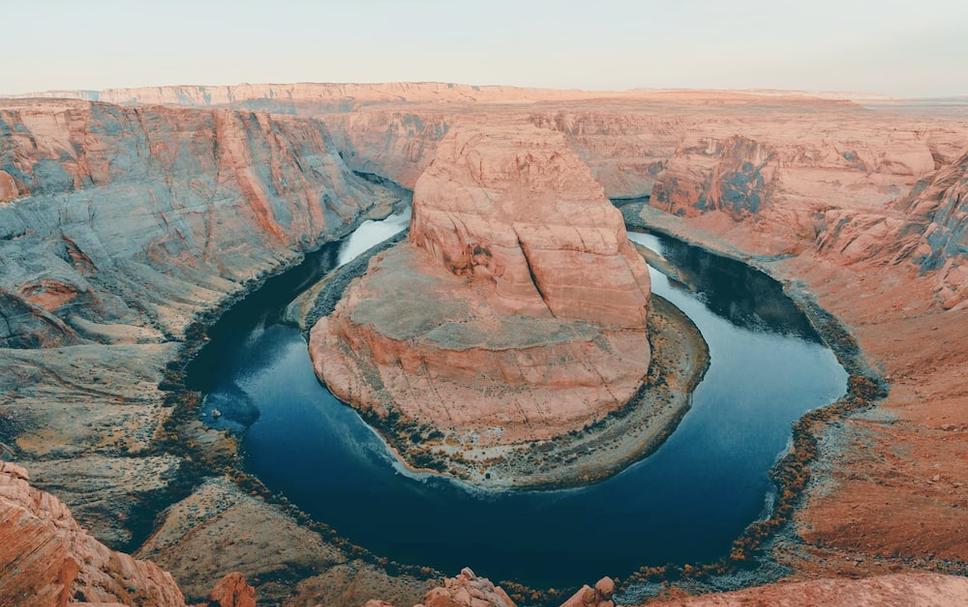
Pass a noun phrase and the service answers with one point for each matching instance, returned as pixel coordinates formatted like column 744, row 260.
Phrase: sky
column 896, row 48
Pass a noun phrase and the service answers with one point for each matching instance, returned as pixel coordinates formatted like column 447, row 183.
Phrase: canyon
column 129, row 221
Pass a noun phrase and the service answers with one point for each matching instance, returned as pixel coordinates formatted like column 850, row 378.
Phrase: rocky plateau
column 130, row 218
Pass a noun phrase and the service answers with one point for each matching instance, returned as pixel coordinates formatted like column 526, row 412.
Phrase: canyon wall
column 855, row 186
column 791, row 174
column 118, row 224
column 934, row 233
column 120, row 227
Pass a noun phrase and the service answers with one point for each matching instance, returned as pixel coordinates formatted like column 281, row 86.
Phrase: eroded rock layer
column 516, row 311
column 47, row 559
column 518, row 211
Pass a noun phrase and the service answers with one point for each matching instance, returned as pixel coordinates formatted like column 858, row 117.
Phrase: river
column 684, row 503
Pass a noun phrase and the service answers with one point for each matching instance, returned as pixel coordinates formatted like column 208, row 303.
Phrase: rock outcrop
column 48, row 559
column 464, row 590
column 517, row 310
column 934, row 235
column 519, row 212
column 467, row 590
column 232, row 591
column 598, row 596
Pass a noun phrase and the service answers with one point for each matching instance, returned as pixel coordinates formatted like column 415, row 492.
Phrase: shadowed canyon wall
column 119, row 228
column 122, row 222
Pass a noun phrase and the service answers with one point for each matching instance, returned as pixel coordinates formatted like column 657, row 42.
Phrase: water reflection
column 746, row 297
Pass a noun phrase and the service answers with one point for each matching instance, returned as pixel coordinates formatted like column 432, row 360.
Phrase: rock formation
column 516, row 311
column 465, row 590
column 47, row 559
column 119, row 225
column 935, row 233
column 518, row 211
column 599, row 596
column 232, row 591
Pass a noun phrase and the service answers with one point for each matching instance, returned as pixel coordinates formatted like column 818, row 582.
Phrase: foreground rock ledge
column 516, row 312
column 48, row 560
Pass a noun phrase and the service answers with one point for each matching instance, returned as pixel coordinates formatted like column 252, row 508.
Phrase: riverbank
column 680, row 358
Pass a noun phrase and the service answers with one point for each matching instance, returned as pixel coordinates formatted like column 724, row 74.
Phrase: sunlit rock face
column 517, row 210
column 517, row 309
column 49, row 560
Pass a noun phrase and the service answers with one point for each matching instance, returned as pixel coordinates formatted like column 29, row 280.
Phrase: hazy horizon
column 889, row 48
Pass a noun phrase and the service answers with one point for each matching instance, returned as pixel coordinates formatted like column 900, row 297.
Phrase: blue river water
column 684, row 503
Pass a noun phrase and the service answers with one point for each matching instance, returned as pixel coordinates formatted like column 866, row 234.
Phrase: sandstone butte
column 515, row 312
column 119, row 224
